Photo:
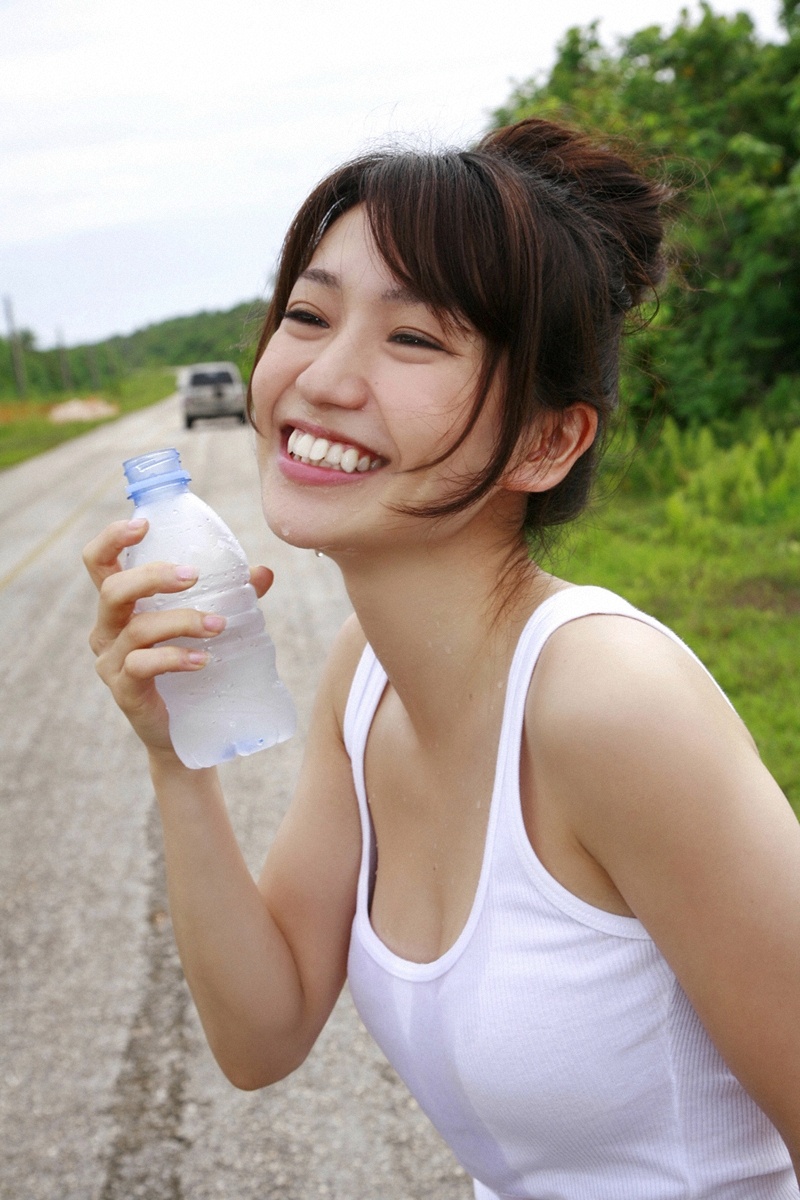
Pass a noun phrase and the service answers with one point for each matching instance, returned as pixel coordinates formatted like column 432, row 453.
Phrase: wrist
column 166, row 766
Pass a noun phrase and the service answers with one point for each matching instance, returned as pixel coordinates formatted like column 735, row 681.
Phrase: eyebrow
column 396, row 294
column 317, row 275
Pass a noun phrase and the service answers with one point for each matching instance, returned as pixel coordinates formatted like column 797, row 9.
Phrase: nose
column 336, row 376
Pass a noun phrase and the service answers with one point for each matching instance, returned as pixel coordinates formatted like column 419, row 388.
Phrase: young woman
column 529, row 827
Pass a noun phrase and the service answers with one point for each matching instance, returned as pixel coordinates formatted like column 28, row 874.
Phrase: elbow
column 251, row 1073
column 253, row 1056
column 245, row 1079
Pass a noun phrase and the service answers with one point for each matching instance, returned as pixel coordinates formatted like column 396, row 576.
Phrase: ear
column 557, row 441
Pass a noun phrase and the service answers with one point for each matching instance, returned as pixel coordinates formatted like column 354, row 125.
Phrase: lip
column 319, row 476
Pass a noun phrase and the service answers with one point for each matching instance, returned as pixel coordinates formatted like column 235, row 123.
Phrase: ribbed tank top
column 551, row 1045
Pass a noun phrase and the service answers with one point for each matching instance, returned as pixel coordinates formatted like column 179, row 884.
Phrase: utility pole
column 17, row 357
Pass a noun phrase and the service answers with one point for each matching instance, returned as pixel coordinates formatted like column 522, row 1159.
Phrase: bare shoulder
column 325, row 742
column 660, row 783
column 632, row 731
column 310, row 874
column 620, row 676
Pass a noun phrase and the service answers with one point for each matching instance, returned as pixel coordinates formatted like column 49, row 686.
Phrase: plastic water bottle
column 236, row 704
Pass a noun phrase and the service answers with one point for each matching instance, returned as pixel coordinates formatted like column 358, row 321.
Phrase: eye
column 420, row 341
column 303, row 317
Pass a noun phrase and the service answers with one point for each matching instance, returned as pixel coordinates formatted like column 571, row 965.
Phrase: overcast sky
column 154, row 151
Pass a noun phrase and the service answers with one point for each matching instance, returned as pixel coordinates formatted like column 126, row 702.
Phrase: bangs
column 440, row 225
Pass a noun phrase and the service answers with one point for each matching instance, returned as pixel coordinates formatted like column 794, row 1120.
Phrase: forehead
column 347, row 255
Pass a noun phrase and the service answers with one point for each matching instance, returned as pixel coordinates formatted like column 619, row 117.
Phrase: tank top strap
column 369, row 682
column 568, row 604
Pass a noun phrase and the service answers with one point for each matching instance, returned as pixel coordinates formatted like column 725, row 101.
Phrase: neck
column 443, row 617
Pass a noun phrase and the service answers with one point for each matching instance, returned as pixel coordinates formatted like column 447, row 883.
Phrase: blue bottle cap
column 153, row 470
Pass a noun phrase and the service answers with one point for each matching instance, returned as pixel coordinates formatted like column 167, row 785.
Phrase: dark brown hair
column 538, row 238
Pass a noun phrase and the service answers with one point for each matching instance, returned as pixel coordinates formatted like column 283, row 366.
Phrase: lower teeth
column 332, row 466
column 326, row 466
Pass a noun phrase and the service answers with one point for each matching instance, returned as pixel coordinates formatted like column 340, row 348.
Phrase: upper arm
column 309, row 878
column 664, row 788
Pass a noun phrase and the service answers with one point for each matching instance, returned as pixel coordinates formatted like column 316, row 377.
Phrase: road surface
column 107, row 1089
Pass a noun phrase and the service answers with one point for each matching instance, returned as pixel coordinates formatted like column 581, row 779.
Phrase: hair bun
column 608, row 189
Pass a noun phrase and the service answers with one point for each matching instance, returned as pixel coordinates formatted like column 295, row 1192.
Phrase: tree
column 717, row 112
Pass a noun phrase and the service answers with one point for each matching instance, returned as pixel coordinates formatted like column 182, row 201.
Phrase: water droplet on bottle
column 319, row 554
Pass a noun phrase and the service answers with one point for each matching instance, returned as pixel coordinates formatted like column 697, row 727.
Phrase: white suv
column 211, row 390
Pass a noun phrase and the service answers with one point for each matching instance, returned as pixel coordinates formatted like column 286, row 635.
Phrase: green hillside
column 229, row 335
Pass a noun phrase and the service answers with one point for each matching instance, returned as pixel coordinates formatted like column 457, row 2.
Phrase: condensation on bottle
column 236, row 704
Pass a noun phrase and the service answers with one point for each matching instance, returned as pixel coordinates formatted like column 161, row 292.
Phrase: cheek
column 439, row 410
column 477, row 449
column 261, row 376
column 270, row 377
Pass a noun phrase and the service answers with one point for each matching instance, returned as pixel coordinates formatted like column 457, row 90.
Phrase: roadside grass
column 26, row 430
column 731, row 591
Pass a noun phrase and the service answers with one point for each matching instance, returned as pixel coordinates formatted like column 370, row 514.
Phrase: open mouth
column 330, row 455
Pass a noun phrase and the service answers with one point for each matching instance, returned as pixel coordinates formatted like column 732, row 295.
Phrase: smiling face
column 360, row 387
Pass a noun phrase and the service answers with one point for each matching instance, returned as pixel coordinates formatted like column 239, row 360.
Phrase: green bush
column 752, row 481
column 714, row 110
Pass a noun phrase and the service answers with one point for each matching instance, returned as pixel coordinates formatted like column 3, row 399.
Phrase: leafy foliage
column 754, row 481
column 204, row 337
column 717, row 113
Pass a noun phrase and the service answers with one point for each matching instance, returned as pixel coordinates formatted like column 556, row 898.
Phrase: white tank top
column 551, row 1045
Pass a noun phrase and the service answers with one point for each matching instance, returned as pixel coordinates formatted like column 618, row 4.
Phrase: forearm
column 237, row 963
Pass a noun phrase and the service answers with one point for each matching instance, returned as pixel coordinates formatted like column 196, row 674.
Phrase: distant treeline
column 100, row 366
column 717, row 113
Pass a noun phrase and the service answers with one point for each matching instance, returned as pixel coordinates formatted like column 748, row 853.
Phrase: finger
column 130, row 676
column 146, row 664
column 262, row 579
column 148, row 629
column 120, row 591
column 133, row 686
column 101, row 554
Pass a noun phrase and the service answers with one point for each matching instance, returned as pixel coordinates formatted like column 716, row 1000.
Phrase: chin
column 296, row 527
column 290, row 531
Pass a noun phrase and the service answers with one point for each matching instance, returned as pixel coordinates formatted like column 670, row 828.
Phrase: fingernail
column 184, row 573
column 214, row 622
column 197, row 658
column 136, row 523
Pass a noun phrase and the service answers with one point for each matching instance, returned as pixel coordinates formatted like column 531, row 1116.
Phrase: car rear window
column 209, row 378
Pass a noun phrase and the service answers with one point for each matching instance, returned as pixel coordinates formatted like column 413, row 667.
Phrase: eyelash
column 415, row 340
column 302, row 316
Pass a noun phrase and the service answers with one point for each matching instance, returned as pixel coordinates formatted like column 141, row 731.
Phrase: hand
column 127, row 644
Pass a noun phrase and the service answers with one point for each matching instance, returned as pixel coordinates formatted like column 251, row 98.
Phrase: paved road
column 107, row 1090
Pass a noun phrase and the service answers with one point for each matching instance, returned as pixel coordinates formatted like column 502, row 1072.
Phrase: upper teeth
column 323, row 453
